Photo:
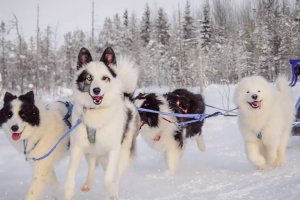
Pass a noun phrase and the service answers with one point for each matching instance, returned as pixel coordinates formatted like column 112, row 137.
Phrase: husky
column 265, row 119
column 163, row 132
column 33, row 128
column 109, row 125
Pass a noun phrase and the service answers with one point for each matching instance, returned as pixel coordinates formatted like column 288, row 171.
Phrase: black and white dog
column 162, row 132
column 110, row 121
column 33, row 129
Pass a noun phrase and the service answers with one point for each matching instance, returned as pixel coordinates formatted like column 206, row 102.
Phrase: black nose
column 254, row 96
column 14, row 128
column 96, row 91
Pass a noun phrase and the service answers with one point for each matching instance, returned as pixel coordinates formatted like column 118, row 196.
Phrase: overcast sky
column 68, row 15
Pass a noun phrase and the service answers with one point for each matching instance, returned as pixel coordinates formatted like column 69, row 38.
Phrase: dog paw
column 278, row 162
column 261, row 167
column 85, row 188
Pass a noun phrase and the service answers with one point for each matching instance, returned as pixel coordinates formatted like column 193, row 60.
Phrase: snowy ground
column 221, row 172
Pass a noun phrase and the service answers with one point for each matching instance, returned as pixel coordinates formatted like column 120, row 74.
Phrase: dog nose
column 254, row 96
column 96, row 91
column 14, row 128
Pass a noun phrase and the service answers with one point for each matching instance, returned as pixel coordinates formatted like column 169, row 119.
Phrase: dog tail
column 129, row 73
column 282, row 85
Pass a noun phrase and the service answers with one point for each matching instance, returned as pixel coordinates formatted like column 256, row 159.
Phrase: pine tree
column 206, row 29
column 4, row 55
column 162, row 28
column 125, row 18
column 146, row 26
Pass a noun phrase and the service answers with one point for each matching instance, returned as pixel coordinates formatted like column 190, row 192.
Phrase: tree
column 146, row 26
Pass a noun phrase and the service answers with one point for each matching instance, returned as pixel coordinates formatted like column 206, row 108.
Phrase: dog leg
column 253, row 151
column 92, row 163
column 75, row 158
column 200, row 142
column 281, row 149
column 41, row 177
column 173, row 156
column 57, row 193
column 110, row 174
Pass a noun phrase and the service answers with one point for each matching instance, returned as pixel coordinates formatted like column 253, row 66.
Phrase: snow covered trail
column 222, row 172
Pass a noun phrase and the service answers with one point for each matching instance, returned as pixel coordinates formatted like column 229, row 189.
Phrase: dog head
column 253, row 93
column 96, row 84
column 184, row 101
column 19, row 115
column 148, row 101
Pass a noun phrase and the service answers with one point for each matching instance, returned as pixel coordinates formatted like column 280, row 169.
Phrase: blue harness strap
column 295, row 70
column 59, row 141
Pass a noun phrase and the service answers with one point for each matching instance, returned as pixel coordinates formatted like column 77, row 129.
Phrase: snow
column 221, row 172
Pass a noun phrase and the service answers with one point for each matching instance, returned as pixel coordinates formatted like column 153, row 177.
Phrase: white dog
column 109, row 122
column 265, row 119
column 34, row 129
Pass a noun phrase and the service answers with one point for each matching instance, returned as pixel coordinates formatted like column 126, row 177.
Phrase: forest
column 217, row 43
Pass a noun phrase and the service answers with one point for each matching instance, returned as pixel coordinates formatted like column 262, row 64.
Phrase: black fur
column 128, row 120
column 180, row 101
column 190, row 102
column 28, row 111
column 112, row 72
column 150, row 102
column 83, row 84
column 5, row 112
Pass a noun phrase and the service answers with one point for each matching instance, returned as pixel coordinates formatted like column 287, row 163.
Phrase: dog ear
column 8, row 97
column 29, row 96
column 84, row 57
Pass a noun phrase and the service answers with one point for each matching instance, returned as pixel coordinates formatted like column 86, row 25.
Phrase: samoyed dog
column 266, row 114
column 163, row 133
column 110, row 122
column 34, row 128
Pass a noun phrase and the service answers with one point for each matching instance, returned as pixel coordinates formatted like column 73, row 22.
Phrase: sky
column 68, row 15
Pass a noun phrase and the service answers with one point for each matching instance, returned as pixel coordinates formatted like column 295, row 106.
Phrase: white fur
column 165, row 130
column 108, row 119
column 274, row 119
column 50, row 129
column 128, row 74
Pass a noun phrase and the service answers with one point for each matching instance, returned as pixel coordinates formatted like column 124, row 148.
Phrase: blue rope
column 231, row 110
column 193, row 116
column 59, row 141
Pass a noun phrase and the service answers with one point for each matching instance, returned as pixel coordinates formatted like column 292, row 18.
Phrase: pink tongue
column 256, row 104
column 16, row 136
column 97, row 98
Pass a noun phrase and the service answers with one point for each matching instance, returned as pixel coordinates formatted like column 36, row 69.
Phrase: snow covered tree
column 146, row 26
column 4, row 55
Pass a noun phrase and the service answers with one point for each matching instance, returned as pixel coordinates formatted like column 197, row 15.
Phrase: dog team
column 106, row 108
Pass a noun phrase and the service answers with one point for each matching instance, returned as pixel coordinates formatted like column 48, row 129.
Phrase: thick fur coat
column 163, row 132
column 109, row 125
column 266, row 114
column 33, row 129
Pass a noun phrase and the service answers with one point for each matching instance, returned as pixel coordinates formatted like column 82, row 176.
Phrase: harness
column 67, row 116
column 25, row 144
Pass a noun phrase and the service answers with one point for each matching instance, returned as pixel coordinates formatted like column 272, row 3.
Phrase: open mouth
column 16, row 136
column 97, row 99
column 255, row 104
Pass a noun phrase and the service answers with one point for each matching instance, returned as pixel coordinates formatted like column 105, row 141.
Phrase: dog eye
column 258, row 90
column 106, row 78
column 89, row 78
column 22, row 115
column 248, row 92
column 9, row 115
